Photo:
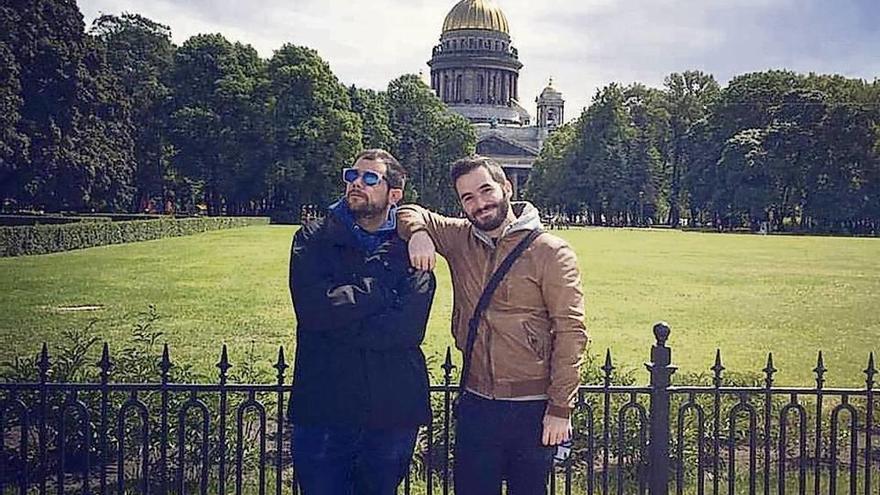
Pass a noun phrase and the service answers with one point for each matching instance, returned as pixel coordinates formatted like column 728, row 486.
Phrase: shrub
column 44, row 239
column 19, row 220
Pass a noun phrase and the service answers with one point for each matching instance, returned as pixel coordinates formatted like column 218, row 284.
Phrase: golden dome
column 476, row 14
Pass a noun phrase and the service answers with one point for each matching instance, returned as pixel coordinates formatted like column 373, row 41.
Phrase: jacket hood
column 527, row 218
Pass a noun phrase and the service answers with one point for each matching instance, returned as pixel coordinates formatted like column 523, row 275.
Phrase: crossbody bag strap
column 486, row 298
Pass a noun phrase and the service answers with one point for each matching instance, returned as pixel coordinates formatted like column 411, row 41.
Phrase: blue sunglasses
column 368, row 177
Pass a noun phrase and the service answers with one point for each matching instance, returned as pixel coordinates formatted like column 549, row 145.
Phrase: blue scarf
column 368, row 241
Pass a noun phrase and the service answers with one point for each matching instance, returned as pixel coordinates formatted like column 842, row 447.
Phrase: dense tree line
column 118, row 118
column 773, row 150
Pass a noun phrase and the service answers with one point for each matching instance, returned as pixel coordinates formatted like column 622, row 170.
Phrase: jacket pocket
column 538, row 341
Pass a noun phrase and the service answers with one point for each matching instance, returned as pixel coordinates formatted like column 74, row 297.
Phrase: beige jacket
column 532, row 335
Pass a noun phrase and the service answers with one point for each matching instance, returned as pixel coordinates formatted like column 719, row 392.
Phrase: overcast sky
column 582, row 44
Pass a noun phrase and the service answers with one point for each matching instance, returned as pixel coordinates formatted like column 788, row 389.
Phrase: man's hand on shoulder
column 422, row 251
column 556, row 430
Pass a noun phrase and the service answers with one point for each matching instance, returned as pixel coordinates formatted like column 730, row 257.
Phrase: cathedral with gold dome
column 475, row 71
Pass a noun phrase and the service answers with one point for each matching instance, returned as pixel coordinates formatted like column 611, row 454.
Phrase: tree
column 746, row 182
column 72, row 111
column 13, row 144
column 219, row 121
column 428, row 138
column 688, row 97
column 372, row 107
column 140, row 54
column 549, row 181
column 316, row 133
column 644, row 165
column 600, row 158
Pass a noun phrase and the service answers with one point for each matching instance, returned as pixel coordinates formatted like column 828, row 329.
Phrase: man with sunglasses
column 360, row 384
column 525, row 350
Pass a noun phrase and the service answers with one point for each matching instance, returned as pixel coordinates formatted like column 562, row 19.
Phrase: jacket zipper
column 492, row 267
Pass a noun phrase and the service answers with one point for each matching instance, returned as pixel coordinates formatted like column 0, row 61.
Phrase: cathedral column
column 454, row 89
column 488, row 95
column 501, row 87
column 488, row 91
column 510, row 77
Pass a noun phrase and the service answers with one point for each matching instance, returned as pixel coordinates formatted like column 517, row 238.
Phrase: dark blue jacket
column 361, row 318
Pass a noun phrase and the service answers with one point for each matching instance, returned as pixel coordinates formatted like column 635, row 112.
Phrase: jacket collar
column 527, row 218
column 354, row 234
column 341, row 210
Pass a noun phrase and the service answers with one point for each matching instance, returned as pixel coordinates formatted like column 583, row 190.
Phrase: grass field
column 744, row 294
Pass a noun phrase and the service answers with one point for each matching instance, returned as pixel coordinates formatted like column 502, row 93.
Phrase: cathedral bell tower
column 550, row 107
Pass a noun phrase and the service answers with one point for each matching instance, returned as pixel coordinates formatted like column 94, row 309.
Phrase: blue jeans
column 332, row 460
column 497, row 440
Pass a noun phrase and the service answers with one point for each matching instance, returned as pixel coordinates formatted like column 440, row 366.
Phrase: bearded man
column 522, row 378
column 360, row 384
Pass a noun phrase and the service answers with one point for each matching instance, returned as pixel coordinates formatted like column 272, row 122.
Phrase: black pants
column 498, row 439
column 351, row 461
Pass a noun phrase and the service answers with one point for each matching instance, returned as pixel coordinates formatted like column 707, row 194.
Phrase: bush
column 122, row 217
column 44, row 239
column 19, row 220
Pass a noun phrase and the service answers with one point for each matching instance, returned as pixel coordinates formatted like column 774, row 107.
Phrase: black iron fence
column 717, row 437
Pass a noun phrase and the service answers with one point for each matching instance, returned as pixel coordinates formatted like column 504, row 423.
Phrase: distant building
column 475, row 71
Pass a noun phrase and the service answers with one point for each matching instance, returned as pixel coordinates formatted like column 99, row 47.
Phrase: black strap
column 486, row 298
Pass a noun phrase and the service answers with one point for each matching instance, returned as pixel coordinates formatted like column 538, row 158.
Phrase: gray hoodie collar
column 527, row 218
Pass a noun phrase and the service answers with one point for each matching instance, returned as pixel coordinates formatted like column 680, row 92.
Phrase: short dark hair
column 395, row 175
column 469, row 164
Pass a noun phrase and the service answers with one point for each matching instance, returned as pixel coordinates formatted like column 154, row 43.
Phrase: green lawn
column 745, row 294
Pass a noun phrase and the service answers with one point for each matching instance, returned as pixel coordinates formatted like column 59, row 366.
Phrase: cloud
column 582, row 44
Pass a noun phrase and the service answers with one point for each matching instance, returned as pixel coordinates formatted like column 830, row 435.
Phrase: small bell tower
column 551, row 107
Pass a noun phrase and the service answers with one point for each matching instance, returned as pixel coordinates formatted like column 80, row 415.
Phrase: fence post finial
column 661, row 333
column 223, row 365
column 769, row 370
column 447, row 367
column 820, row 370
column 661, row 370
column 43, row 363
column 104, row 364
column 165, row 363
column 717, row 369
column 870, row 371
column 607, row 369
column 281, row 365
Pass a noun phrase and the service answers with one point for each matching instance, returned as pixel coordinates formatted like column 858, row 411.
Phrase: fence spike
column 870, row 371
column 607, row 368
column 104, row 364
column 43, row 363
column 820, row 370
column 717, row 368
column 769, row 370
column 281, row 365
column 223, row 365
column 447, row 365
column 165, row 363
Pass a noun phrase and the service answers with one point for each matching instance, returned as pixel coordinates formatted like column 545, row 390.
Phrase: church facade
column 475, row 71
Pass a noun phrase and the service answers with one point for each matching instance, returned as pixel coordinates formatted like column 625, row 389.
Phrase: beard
column 493, row 222
column 363, row 207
